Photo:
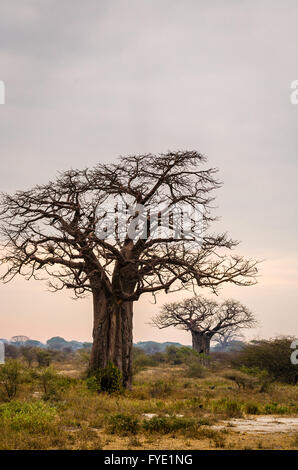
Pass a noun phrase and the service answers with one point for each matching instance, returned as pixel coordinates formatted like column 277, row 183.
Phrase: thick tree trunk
column 112, row 335
column 201, row 344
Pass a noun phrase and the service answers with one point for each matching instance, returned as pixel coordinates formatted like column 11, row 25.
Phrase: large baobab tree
column 205, row 318
column 57, row 229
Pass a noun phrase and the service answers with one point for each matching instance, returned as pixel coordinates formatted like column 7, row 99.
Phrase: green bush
column 92, row 383
column 242, row 380
column 166, row 425
column 230, row 408
column 195, row 369
column 43, row 357
column 179, row 355
column 108, row 379
column 252, row 409
column 262, row 377
column 123, row 424
column 33, row 416
column 141, row 360
column 53, row 384
column 11, row 376
column 272, row 356
column 276, row 408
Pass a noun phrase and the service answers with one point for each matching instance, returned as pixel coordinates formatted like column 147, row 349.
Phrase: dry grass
column 185, row 410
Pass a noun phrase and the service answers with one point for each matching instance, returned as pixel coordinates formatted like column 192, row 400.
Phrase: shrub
column 179, row 355
column 166, row 425
column 252, row 409
column 123, row 424
column 11, row 351
column 195, row 369
column 92, row 383
column 275, row 408
column 262, row 377
column 52, row 383
column 11, row 375
column 230, row 408
column 242, row 380
column 141, row 360
column 160, row 389
column 108, row 379
column 83, row 356
column 32, row 417
column 43, row 357
column 194, row 403
column 28, row 354
column 272, row 356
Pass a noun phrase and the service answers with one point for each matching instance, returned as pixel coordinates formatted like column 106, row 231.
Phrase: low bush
column 272, row 356
column 179, row 355
column 53, row 384
column 123, row 424
column 195, row 369
column 276, row 408
column 43, row 357
column 108, row 379
column 141, row 361
column 166, row 425
column 252, row 409
column 11, row 376
column 30, row 416
column 242, row 380
column 230, row 408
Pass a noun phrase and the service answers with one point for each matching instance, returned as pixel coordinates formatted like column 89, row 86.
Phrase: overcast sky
column 89, row 81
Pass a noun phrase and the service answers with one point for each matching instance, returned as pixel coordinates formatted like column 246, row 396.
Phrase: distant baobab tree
column 21, row 339
column 204, row 318
column 225, row 338
column 55, row 230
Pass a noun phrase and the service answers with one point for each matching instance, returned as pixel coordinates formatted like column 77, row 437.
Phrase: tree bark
column 201, row 344
column 112, row 335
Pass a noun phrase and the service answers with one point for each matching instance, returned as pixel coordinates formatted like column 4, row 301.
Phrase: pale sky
column 89, row 81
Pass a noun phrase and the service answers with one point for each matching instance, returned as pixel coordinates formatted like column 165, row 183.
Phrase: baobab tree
column 56, row 230
column 224, row 339
column 204, row 318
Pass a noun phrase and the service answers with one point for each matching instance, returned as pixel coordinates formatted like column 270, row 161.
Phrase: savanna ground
column 169, row 407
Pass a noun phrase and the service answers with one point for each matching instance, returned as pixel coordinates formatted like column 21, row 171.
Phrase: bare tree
column 54, row 229
column 20, row 339
column 205, row 318
column 224, row 338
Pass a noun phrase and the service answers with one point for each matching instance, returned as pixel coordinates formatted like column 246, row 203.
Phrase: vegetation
column 60, row 229
column 271, row 356
column 60, row 407
column 11, row 375
column 205, row 319
column 108, row 379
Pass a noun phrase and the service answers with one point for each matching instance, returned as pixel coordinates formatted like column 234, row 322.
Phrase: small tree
column 11, row 351
column 29, row 354
column 11, row 376
column 43, row 357
column 204, row 318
